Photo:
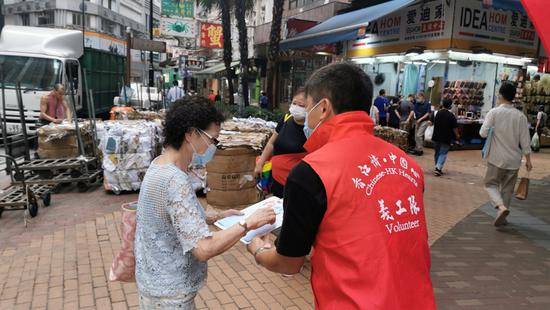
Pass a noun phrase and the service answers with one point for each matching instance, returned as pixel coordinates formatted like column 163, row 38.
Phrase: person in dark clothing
column 344, row 198
column 285, row 148
column 382, row 103
column 394, row 117
column 264, row 103
column 422, row 112
column 445, row 133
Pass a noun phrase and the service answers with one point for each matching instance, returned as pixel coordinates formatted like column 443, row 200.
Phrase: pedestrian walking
column 358, row 200
column 382, row 104
column 507, row 131
column 406, row 111
column 542, row 120
column 374, row 114
column 422, row 111
column 445, row 134
column 264, row 101
column 174, row 93
column 212, row 96
column 172, row 239
column 394, row 117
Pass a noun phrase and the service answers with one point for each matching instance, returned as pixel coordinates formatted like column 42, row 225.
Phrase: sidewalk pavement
column 61, row 261
column 478, row 266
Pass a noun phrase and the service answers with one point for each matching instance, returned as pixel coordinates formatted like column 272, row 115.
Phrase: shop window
column 46, row 18
column 25, row 20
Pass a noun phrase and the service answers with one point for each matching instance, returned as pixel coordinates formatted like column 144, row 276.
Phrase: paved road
column 62, row 259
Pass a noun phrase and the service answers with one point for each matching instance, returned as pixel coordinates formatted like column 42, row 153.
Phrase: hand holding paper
column 262, row 218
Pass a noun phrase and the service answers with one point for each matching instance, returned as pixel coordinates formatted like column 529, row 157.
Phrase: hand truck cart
column 83, row 170
column 23, row 196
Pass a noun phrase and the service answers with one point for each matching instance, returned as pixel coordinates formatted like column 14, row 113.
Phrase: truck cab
column 37, row 59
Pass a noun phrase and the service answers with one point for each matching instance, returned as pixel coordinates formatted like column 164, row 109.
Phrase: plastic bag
column 124, row 264
column 429, row 133
column 535, row 142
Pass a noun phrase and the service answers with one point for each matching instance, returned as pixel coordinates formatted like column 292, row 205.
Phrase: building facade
column 105, row 22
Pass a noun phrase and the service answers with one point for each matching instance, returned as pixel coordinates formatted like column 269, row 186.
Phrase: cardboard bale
column 231, row 181
column 233, row 199
column 59, row 140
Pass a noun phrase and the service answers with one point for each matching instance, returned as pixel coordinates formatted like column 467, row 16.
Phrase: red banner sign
column 211, row 35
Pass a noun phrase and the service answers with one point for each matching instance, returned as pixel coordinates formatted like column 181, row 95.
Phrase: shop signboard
column 178, row 8
column 104, row 42
column 422, row 24
column 501, row 31
column 185, row 28
column 211, row 35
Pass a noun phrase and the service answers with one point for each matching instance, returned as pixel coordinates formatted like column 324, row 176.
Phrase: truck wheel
column 1, row 211
column 47, row 199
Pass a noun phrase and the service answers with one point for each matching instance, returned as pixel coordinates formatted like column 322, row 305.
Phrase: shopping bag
column 124, row 264
column 523, row 188
column 535, row 142
column 487, row 146
column 429, row 133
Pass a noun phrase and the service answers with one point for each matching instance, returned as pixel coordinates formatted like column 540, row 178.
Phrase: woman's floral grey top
column 170, row 222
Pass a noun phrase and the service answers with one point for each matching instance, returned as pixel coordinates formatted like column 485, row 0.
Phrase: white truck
column 38, row 58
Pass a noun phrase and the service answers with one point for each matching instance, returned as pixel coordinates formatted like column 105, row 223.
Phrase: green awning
column 214, row 70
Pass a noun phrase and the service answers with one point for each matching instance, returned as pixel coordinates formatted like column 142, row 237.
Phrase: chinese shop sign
column 178, row 8
column 211, row 35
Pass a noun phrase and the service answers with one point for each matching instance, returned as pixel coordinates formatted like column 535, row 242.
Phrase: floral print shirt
column 170, row 222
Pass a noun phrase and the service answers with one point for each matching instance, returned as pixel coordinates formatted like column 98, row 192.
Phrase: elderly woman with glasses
column 173, row 241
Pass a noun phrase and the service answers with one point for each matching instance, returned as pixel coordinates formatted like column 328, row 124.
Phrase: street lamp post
column 151, row 72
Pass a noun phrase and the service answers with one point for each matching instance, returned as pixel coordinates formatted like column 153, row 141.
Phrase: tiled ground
column 61, row 260
column 476, row 265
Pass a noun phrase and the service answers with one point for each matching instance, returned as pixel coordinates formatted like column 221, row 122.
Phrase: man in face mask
column 358, row 201
column 285, row 148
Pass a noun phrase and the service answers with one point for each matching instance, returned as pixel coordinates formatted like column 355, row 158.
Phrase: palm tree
column 273, row 51
column 225, row 9
column 241, row 8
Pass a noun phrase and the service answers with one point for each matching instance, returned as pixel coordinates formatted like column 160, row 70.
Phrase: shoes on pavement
column 438, row 172
column 500, row 220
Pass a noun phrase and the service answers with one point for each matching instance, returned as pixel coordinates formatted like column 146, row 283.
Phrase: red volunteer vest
column 371, row 250
column 282, row 164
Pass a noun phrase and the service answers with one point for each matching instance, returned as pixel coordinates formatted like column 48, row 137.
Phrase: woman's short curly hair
column 186, row 114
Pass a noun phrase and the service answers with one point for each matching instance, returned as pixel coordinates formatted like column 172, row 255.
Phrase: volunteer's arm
column 304, row 208
column 266, row 154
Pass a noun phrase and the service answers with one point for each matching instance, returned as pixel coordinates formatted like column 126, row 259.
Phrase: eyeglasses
column 214, row 141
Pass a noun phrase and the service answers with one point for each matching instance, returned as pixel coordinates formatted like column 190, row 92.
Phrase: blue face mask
column 308, row 131
column 204, row 158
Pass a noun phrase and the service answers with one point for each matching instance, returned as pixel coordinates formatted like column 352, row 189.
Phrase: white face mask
column 298, row 112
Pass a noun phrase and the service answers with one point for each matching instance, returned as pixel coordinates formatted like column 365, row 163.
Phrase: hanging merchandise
column 410, row 80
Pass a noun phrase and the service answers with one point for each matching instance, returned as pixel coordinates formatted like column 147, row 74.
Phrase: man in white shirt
column 510, row 141
column 542, row 119
column 174, row 93
column 374, row 114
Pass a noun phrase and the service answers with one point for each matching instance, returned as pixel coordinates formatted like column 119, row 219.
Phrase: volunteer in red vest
column 53, row 107
column 358, row 201
column 285, row 148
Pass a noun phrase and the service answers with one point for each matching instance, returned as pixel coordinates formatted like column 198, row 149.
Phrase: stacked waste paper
column 59, row 140
column 394, row 136
column 230, row 175
column 246, row 132
column 128, row 148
